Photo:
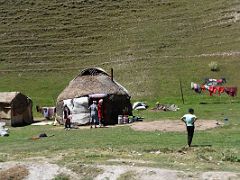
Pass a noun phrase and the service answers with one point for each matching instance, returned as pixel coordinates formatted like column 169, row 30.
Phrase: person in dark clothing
column 67, row 117
column 189, row 119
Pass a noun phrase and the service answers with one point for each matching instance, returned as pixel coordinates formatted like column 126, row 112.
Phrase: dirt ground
column 173, row 125
column 163, row 125
column 41, row 169
column 38, row 169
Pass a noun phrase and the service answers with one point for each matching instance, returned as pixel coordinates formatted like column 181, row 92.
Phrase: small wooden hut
column 15, row 109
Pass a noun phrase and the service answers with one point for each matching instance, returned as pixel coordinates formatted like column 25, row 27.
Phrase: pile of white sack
column 3, row 130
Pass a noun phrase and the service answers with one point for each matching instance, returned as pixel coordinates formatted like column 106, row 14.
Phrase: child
column 189, row 120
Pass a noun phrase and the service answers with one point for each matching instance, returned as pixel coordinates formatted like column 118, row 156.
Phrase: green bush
column 214, row 66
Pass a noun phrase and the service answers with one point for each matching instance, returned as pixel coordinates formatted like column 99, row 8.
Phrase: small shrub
column 214, row 66
column 230, row 157
column 86, row 171
column 61, row 177
column 127, row 175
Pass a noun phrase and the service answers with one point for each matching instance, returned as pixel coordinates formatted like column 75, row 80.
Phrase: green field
column 151, row 45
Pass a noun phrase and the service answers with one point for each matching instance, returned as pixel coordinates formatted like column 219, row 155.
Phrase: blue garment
column 93, row 114
column 93, row 110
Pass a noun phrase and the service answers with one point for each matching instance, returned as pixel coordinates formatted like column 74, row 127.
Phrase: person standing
column 189, row 119
column 93, row 114
column 67, row 117
column 100, row 112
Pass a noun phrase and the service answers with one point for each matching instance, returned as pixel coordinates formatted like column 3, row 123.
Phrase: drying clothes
column 196, row 87
column 220, row 89
column 214, row 89
column 204, row 87
column 221, row 81
column 192, row 85
column 51, row 111
column 214, row 82
column 211, row 90
column 212, row 86
column 48, row 112
column 45, row 112
column 231, row 91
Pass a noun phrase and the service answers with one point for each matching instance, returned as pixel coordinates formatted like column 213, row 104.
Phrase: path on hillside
column 217, row 54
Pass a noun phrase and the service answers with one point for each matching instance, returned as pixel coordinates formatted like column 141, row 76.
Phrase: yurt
column 94, row 84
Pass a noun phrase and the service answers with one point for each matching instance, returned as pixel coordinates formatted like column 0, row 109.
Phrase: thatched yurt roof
column 91, row 81
column 7, row 97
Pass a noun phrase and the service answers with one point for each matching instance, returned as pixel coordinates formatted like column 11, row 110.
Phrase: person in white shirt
column 189, row 119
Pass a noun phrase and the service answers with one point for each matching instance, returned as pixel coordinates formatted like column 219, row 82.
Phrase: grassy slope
column 150, row 45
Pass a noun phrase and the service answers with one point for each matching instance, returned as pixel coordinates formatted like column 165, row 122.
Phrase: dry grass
column 14, row 173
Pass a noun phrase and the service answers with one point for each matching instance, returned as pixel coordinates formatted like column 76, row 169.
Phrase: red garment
column 100, row 111
column 211, row 90
column 214, row 89
column 231, row 91
column 220, row 89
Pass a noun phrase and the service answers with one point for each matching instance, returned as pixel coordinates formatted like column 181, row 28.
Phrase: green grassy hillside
column 150, row 44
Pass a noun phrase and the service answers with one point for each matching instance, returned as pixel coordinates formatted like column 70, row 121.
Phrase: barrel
column 125, row 119
column 120, row 119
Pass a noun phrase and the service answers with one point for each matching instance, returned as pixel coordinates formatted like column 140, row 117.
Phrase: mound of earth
column 173, row 125
column 43, row 170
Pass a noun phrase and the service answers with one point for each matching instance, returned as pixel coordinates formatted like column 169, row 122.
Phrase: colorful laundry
column 47, row 112
column 212, row 86
column 214, row 82
column 196, row 87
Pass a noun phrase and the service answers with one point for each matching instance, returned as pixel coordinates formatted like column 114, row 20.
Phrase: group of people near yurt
column 96, row 115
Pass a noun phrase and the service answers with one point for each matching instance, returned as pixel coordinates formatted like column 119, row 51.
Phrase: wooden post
column 180, row 83
column 112, row 74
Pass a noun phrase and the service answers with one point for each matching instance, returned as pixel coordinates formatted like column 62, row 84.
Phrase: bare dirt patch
column 38, row 169
column 146, row 173
column 14, row 173
column 173, row 125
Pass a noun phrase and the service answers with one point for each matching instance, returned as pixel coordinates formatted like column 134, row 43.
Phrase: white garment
column 189, row 119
